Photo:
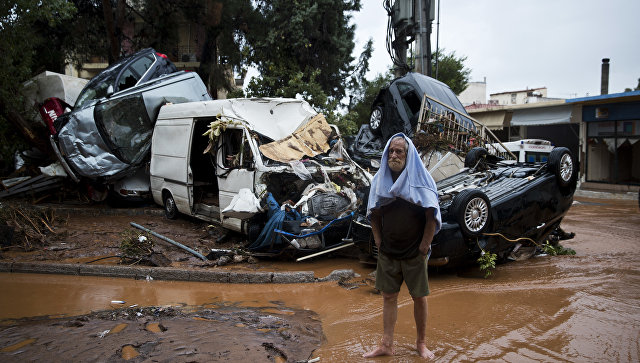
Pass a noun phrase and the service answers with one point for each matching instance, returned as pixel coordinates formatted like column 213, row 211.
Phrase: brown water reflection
column 565, row 308
column 545, row 309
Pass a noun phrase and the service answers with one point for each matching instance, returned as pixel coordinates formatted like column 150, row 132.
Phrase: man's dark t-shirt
column 402, row 229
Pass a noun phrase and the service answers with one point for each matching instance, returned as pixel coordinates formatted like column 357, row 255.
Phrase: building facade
column 603, row 132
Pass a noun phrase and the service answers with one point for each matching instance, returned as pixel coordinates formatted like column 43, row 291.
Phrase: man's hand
column 424, row 249
column 376, row 224
column 429, row 230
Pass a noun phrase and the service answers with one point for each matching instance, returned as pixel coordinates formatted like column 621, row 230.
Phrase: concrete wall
column 476, row 92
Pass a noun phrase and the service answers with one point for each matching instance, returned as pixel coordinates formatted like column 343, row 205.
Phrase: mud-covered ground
column 165, row 335
column 576, row 308
column 95, row 234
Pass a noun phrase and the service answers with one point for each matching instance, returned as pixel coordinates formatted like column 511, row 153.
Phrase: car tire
column 474, row 155
column 472, row 210
column 375, row 119
column 170, row 208
column 562, row 164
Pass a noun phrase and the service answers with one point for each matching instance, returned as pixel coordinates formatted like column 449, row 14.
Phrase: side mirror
column 109, row 91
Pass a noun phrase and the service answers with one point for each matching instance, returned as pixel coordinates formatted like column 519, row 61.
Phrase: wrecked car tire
column 375, row 120
column 170, row 209
column 474, row 155
column 561, row 163
column 472, row 210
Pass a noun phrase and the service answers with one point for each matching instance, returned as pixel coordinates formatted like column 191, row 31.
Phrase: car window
column 98, row 85
column 532, row 157
column 142, row 65
column 235, row 149
column 95, row 89
column 411, row 100
column 126, row 126
column 134, row 72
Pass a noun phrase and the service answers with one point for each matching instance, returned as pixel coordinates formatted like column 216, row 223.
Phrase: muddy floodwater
column 582, row 308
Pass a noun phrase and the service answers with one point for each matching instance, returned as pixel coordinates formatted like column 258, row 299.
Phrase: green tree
column 306, row 49
column 21, row 36
column 116, row 28
column 451, row 70
column 221, row 27
column 636, row 89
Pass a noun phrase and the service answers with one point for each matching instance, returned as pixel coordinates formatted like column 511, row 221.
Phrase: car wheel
column 170, row 209
column 562, row 165
column 474, row 155
column 375, row 120
column 472, row 211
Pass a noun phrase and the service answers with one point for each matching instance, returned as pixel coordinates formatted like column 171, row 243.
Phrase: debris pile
column 27, row 228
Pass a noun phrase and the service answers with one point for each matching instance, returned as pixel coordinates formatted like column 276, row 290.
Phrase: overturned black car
column 505, row 207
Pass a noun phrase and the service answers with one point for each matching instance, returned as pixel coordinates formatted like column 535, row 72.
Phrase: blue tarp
column 276, row 217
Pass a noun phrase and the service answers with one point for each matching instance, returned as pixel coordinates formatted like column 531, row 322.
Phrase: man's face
column 397, row 155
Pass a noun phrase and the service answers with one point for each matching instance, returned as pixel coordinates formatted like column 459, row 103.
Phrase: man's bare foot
column 379, row 351
column 424, row 352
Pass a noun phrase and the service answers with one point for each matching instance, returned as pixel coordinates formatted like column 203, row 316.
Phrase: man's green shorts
column 391, row 272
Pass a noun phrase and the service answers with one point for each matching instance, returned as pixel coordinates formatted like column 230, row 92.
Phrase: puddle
column 154, row 327
column 129, row 352
column 14, row 347
column 278, row 312
column 118, row 328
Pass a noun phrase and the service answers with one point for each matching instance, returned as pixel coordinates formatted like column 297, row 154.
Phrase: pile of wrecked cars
column 277, row 172
column 490, row 199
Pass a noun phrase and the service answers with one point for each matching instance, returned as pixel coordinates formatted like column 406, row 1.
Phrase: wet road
column 564, row 308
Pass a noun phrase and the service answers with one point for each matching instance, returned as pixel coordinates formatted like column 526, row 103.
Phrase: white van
column 255, row 149
column 527, row 150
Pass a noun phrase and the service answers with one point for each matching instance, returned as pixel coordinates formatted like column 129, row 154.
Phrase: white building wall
column 476, row 92
column 519, row 97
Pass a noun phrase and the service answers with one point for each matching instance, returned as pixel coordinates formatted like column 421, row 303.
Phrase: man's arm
column 376, row 226
column 429, row 230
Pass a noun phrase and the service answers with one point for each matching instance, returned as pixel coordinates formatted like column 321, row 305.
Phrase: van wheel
column 170, row 209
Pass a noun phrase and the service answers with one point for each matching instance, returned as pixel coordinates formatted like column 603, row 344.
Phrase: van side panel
column 169, row 161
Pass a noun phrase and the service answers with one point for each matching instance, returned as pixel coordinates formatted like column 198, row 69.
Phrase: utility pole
column 410, row 20
column 423, row 17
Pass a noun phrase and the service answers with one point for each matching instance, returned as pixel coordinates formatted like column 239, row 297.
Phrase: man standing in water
column 405, row 215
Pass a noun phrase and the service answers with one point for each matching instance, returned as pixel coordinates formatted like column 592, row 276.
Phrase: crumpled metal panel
column 84, row 148
column 275, row 118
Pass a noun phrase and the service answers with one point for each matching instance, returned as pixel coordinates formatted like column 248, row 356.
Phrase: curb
column 171, row 274
column 104, row 211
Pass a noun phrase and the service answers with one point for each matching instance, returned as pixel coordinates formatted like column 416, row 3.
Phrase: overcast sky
column 558, row 44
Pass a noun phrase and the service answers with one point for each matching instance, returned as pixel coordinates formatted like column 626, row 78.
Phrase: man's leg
column 420, row 315
column 389, row 317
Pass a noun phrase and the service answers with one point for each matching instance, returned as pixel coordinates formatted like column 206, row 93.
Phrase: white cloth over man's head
column 414, row 184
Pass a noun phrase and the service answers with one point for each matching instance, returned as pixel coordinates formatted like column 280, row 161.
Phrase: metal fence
column 450, row 130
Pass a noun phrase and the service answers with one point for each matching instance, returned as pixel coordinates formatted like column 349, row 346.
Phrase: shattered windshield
column 98, row 85
column 125, row 126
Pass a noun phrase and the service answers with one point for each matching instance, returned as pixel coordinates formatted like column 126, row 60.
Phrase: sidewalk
column 596, row 194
